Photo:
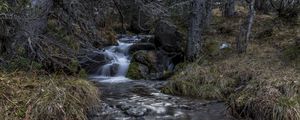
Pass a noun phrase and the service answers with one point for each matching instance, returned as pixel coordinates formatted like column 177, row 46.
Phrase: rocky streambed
column 142, row 100
column 128, row 73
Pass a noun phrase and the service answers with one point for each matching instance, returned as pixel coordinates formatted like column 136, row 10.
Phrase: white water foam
column 116, row 69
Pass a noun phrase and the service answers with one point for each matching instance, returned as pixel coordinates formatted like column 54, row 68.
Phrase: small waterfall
column 116, row 69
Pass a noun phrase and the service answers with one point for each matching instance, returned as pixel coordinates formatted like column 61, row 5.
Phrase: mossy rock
column 144, row 65
column 134, row 71
column 147, row 58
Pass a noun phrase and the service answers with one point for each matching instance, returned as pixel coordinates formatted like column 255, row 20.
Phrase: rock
column 110, row 70
column 93, row 61
column 167, row 37
column 134, row 71
column 147, row 38
column 141, row 46
column 169, row 43
column 147, row 58
column 149, row 65
column 143, row 65
column 140, row 90
column 137, row 111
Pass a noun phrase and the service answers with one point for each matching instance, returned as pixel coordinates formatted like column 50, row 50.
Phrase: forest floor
column 33, row 96
column 263, row 83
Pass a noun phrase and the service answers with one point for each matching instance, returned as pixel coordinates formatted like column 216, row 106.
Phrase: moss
column 145, row 57
column 83, row 74
column 142, row 59
column 180, row 66
column 166, row 74
column 134, row 71
column 74, row 66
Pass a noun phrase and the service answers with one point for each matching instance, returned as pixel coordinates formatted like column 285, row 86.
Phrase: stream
column 125, row 99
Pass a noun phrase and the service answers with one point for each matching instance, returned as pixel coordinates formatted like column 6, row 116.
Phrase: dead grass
column 31, row 96
column 262, row 84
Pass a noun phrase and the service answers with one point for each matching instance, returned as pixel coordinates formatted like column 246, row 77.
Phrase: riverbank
column 28, row 95
column 260, row 84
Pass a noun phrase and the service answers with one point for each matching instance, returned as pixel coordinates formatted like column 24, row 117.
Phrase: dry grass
column 262, row 84
column 31, row 96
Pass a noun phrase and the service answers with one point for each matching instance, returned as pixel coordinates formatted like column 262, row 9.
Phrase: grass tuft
column 32, row 96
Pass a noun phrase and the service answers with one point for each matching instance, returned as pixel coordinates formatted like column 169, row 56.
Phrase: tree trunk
column 194, row 32
column 121, row 16
column 207, row 14
column 262, row 5
column 245, row 29
column 229, row 9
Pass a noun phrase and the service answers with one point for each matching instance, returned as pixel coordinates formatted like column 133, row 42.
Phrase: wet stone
column 137, row 111
column 124, row 106
column 185, row 107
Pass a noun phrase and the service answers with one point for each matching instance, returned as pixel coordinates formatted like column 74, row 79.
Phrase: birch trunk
column 245, row 29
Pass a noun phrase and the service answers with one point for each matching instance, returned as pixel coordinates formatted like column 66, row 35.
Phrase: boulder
column 145, row 65
column 168, row 37
column 141, row 46
column 170, row 44
column 135, row 71
column 93, row 61
column 109, row 69
column 143, row 62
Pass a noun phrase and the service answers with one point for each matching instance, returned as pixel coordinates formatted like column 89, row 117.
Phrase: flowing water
column 125, row 99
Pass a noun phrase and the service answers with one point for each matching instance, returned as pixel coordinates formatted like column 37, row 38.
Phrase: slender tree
column 245, row 29
column 195, row 41
column 207, row 14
